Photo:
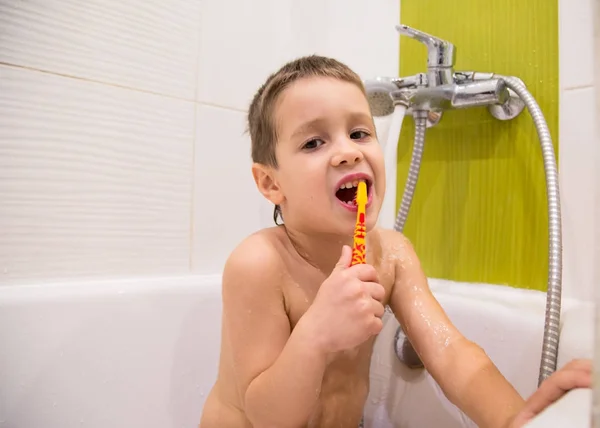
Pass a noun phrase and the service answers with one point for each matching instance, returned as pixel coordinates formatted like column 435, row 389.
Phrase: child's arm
column 465, row 373
column 279, row 371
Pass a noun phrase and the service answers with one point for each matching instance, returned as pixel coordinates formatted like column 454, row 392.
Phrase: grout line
column 221, row 106
column 577, row 87
column 193, row 190
column 193, row 171
column 100, row 82
column 85, row 79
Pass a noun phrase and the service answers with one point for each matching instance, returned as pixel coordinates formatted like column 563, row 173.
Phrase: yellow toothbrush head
column 361, row 194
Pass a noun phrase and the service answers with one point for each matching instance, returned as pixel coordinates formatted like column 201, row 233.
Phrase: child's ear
column 266, row 182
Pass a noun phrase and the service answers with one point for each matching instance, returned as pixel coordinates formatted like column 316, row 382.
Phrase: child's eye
column 312, row 144
column 359, row 135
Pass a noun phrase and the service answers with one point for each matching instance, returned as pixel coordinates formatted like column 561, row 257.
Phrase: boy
column 299, row 322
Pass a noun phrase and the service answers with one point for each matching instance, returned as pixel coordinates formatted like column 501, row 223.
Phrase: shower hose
column 553, row 295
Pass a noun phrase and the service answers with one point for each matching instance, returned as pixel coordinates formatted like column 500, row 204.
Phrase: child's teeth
column 350, row 184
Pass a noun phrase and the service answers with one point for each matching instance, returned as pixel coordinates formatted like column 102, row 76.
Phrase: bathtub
column 144, row 353
column 115, row 354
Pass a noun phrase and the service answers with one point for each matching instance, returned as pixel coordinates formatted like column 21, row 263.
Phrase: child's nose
column 348, row 154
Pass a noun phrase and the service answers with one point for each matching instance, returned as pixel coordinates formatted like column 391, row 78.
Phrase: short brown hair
column 261, row 124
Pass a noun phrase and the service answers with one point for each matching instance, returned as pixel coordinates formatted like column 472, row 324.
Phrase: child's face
column 326, row 139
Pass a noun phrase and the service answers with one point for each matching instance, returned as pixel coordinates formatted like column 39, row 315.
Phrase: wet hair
column 261, row 114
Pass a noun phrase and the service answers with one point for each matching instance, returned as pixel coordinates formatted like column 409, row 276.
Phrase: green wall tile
column 479, row 212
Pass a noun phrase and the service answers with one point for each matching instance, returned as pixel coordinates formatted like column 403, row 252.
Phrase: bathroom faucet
column 442, row 88
column 441, row 55
column 425, row 96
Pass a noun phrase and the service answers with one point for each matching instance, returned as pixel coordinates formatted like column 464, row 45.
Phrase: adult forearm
column 287, row 393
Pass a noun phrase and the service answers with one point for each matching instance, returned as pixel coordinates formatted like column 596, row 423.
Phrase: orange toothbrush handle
column 359, row 254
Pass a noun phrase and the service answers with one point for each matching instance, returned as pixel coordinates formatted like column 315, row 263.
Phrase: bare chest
column 345, row 383
column 344, row 390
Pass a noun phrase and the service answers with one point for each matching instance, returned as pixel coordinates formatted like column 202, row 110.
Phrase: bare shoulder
column 255, row 262
column 258, row 251
column 391, row 236
column 396, row 247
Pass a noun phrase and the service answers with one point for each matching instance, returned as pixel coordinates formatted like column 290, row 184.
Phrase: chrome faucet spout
column 441, row 55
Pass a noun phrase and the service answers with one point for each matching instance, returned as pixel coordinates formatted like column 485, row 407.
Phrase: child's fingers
column 575, row 374
column 364, row 272
column 378, row 309
column 376, row 290
column 583, row 364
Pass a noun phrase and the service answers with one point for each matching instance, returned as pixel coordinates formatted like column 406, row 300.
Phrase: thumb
column 345, row 258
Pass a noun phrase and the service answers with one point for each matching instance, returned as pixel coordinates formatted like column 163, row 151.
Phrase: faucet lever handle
column 440, row 53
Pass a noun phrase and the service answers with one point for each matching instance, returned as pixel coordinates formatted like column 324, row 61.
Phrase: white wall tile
column 578, row 189
column 227, row 205
column 360, row 33
column 94, row 180
column 243, row 42
column 150, row 45
column 575, row 22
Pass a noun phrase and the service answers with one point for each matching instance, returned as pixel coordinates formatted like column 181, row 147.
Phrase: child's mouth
column 346, row 194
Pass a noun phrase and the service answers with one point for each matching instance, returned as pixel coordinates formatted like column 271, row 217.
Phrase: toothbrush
column 360, row 230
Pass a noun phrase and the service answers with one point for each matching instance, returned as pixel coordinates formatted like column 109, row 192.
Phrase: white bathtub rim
column 205, row 283
column 110, row 287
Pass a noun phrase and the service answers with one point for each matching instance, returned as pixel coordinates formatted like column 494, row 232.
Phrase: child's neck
column 319, row 250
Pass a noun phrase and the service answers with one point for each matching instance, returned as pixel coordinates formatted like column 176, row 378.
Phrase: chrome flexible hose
column 553, row 295
column 420, row 118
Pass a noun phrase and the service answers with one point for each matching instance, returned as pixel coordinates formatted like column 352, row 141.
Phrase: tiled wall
column 122, row 145
column 578, row 143
column 479, row 214
column 596, row 278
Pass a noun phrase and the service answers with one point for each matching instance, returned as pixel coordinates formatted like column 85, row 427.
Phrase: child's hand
column 347, row 309
column 575, row 374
